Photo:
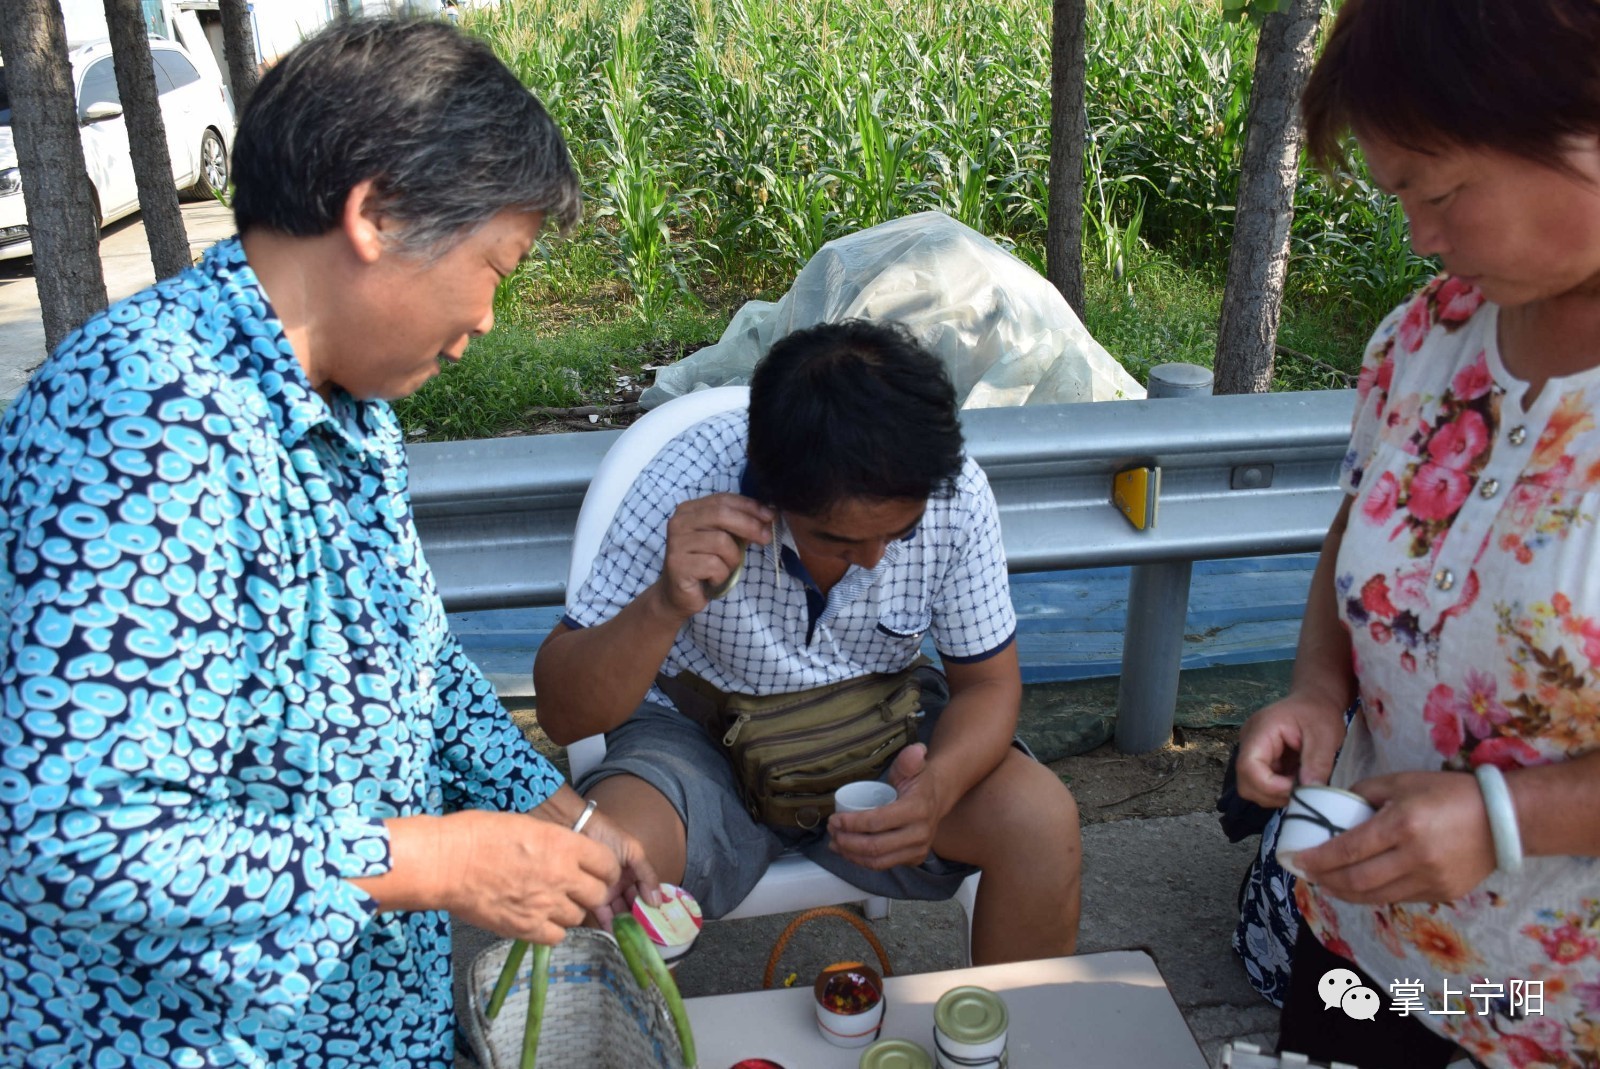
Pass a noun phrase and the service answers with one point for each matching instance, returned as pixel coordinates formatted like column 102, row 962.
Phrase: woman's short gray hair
column 447, row 133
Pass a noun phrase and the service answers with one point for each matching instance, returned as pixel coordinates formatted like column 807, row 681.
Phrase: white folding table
column 1097, row 1011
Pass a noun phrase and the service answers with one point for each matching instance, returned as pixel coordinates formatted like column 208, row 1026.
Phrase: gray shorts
column 728, row 851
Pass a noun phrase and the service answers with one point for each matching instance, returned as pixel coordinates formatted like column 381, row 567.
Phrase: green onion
column 539, row 985
column 644, row 961
column 508, row 973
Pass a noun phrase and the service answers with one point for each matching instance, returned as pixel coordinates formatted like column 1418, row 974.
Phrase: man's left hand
column 1428, row 842
column 900, row 833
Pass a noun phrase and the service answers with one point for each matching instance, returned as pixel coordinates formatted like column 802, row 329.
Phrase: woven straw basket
column 595, row 1015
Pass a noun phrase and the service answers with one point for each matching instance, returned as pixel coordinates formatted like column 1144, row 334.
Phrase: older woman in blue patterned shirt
column 245, row 769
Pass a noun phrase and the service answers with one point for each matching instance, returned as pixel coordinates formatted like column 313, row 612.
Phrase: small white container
column 969, row 1029
column 862, row 795
column 1314, row 815
column 849, row 1029
column 672, row 926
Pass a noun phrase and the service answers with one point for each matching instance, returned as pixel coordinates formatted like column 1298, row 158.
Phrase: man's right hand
column 705, row 543
column 591, row 679
column 1289, row 742
column 521, row 877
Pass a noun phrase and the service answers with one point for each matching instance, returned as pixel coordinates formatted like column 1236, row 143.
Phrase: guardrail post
column 1158, row 600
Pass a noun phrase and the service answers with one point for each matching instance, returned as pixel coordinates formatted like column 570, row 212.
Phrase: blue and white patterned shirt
column 775, row 632
column 223, row 662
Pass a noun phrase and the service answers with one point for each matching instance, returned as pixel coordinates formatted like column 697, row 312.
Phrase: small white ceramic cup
column 1314, row 815
column 862, row 795
column 849, row 1029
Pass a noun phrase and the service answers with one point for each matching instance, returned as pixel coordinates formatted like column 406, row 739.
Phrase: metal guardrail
column 496, row 515
column 1241, row 476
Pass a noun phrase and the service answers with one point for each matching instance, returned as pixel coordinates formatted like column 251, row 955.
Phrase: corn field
column 722, row 142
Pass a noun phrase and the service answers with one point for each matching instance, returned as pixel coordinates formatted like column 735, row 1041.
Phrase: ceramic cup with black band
column 1314, row 815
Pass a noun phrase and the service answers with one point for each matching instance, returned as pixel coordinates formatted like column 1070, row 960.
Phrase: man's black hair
column 852, row 410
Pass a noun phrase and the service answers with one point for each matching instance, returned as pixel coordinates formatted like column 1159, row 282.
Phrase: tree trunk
column 1259, row 259
column 344, row 8
column 147, row 137
column 239, row 47
column 1063, row 239
column 62, row 220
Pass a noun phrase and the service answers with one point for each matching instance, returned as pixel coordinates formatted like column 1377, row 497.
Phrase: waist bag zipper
column 883, row 709
column 778, row 770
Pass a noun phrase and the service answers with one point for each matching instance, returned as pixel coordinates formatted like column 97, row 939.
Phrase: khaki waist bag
column 789, row 752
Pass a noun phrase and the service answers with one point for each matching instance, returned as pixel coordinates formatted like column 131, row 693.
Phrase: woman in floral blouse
column 1458, row 596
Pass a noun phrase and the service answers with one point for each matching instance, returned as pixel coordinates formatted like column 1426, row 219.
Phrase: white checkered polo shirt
column 768, row 636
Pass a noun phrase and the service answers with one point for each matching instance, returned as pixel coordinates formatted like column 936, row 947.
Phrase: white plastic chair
column 792, row 882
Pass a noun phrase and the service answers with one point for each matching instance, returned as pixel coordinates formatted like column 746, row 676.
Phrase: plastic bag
column 1006, row 334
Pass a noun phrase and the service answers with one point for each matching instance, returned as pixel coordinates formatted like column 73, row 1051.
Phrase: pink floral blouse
column 1467, row 578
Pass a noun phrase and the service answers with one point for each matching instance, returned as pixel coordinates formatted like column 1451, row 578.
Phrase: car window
column 176, row 66
column 5, row 100
column 163, row 79
column 99, row 84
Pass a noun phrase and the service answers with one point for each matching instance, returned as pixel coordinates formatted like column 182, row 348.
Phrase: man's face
column 854, row 531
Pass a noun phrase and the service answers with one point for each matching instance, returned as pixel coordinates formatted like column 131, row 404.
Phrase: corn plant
column 722, row 142
column 635, row 193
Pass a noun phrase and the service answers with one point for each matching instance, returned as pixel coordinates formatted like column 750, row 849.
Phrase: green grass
column 1171, row 315
column 722, row 142
column 515, row 368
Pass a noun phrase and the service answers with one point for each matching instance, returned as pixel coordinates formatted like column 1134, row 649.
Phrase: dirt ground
column 1184, row 777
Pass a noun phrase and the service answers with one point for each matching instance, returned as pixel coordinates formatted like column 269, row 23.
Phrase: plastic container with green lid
column 969, row 1028
column 895, row 1054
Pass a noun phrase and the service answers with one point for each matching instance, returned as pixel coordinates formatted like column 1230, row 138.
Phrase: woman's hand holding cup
column 1428, row 841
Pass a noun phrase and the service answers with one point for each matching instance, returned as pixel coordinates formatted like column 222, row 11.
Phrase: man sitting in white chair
column 850, row 517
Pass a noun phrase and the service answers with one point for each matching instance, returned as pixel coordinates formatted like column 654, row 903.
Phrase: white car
column 195, row 110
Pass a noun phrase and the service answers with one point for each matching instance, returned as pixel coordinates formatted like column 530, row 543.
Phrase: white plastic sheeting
column 1006, row 334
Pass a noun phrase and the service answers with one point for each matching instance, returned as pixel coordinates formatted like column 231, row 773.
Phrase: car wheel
column 213, row 167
